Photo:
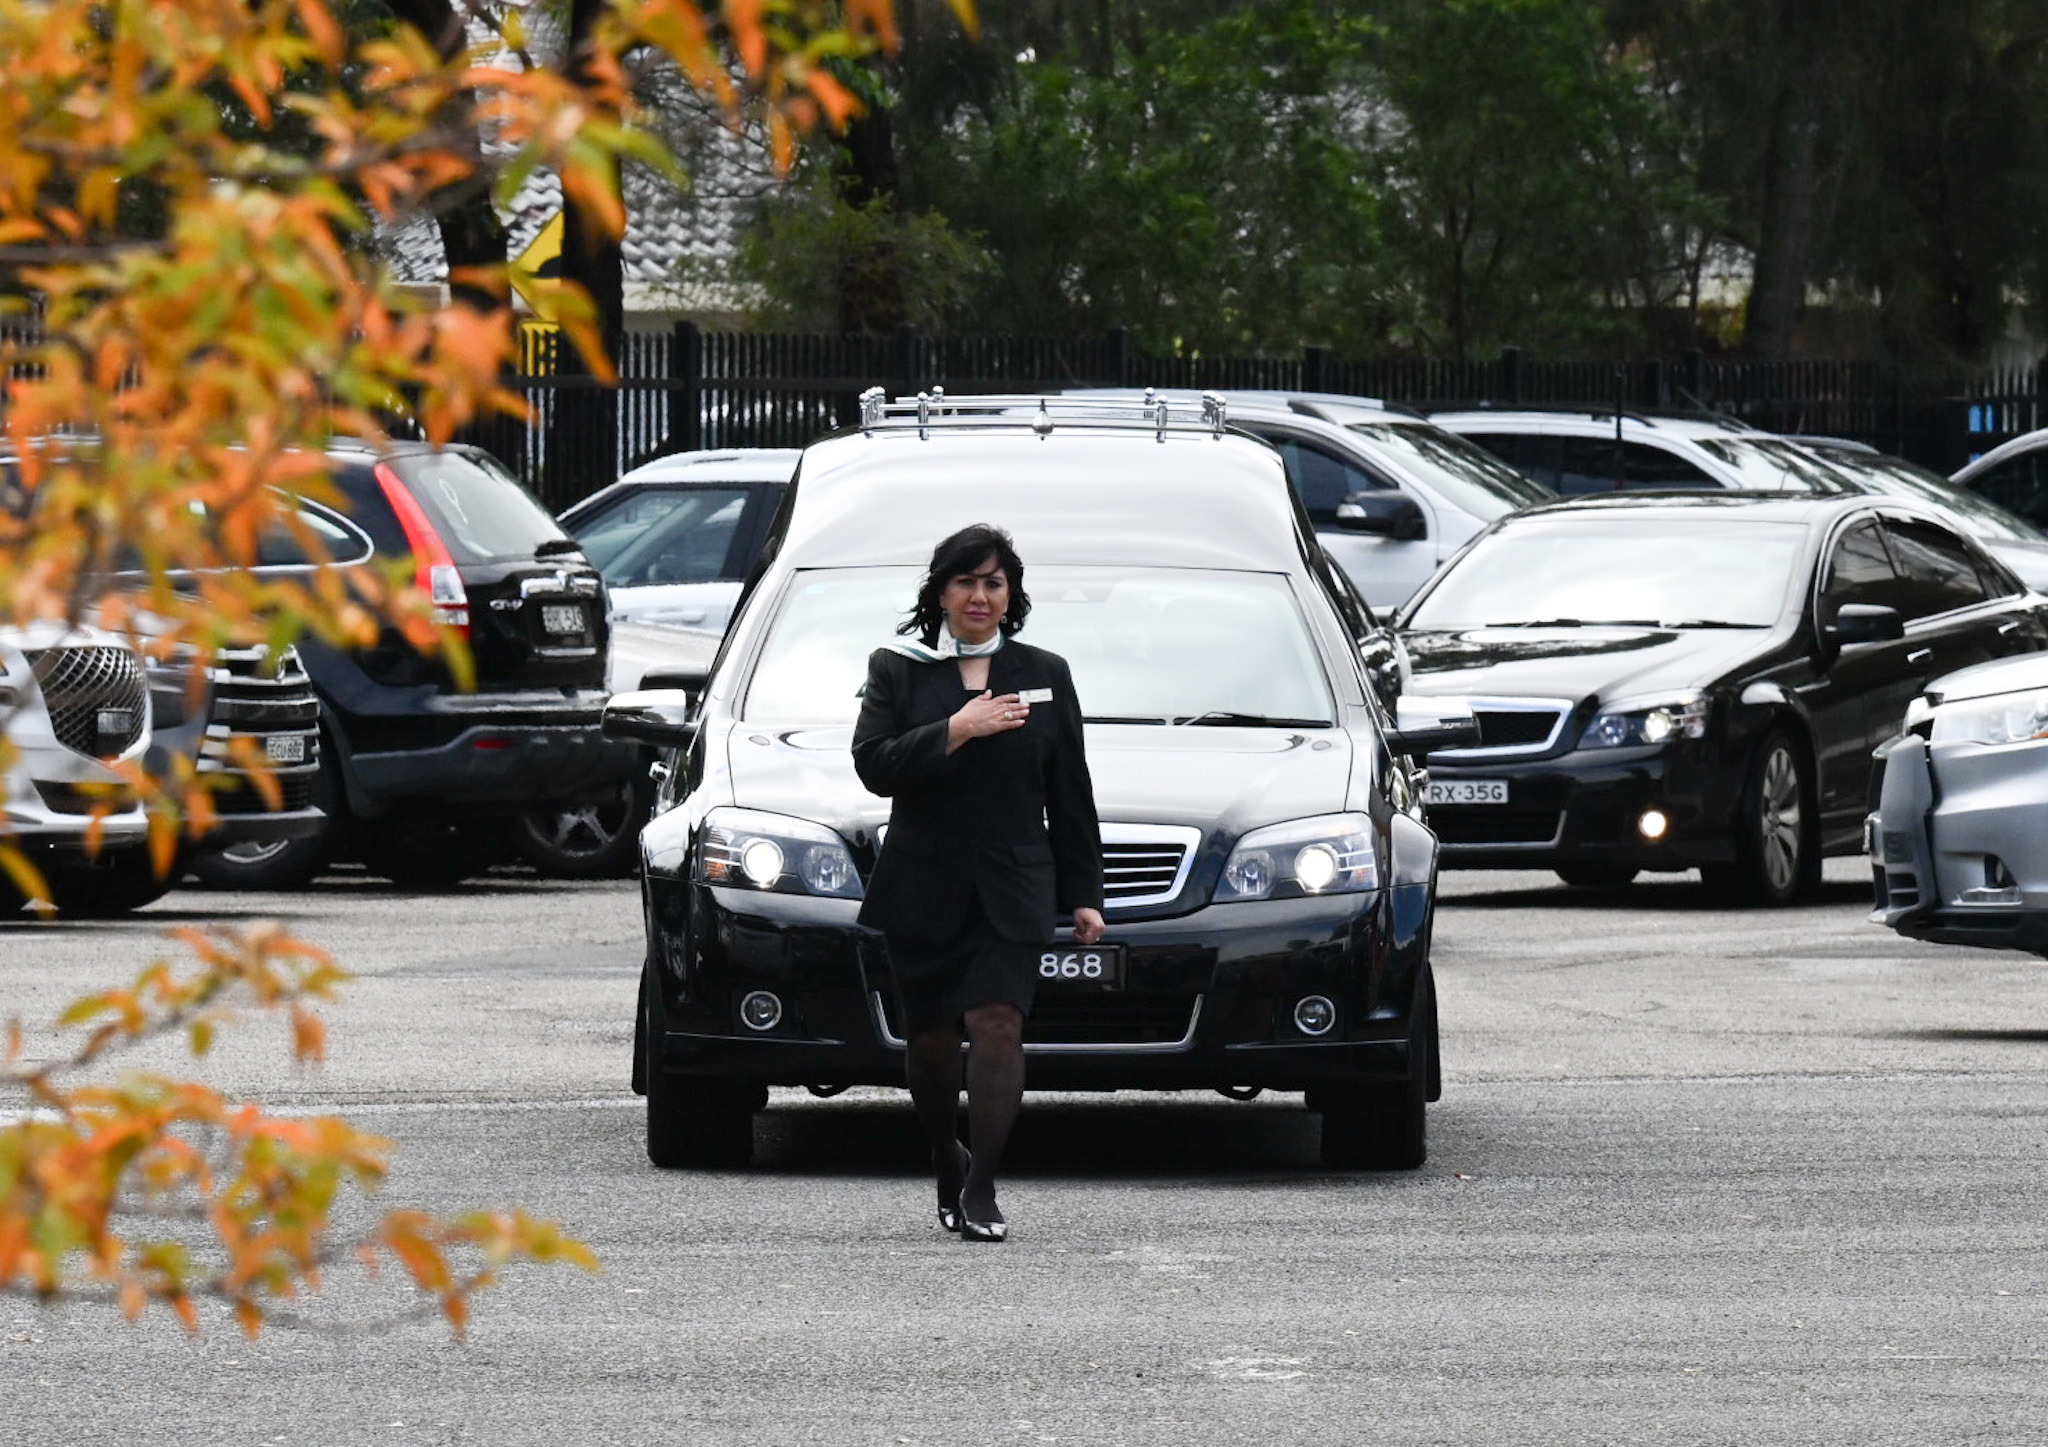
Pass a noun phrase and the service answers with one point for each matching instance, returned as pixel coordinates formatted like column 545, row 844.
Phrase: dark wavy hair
column 963, row 552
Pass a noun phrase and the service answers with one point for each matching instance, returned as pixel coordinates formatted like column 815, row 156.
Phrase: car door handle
column 1920, row 655
column 2010, row 625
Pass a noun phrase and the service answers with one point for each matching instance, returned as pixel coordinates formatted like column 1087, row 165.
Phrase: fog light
column 761, row 1011
column 1314, row 1015
column 1653, row 824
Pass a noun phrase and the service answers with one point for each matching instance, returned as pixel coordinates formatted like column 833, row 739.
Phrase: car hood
column 638, row 649
column 1218, row 780
column 1575, row 663
column 1988, row 680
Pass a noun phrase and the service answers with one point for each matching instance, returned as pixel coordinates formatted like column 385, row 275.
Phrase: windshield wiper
column 1223, row 717
column 1707, row 623
column 1120, row 718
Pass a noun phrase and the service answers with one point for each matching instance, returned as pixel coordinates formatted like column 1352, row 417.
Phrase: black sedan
column 1269, row 886
column 1666, row 682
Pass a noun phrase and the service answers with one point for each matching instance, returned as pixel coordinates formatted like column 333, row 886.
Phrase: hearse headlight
column 2010, row 718
column 1630, row 724
column 750, row 849
column 1329, row 854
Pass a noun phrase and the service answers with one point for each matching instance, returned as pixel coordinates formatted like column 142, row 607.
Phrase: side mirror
column 664, row 717
column 1424, row 725
column 1865, row 623
column 1387, row 514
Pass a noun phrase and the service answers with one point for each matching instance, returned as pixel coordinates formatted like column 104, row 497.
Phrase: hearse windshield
column 1147, row 645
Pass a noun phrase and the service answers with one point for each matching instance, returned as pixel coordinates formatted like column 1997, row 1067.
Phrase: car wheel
column 593, row 838
column 1597, row 876
column 1776, row 857
column 430, row 854
column 1384, row 1125
column 693, row 1123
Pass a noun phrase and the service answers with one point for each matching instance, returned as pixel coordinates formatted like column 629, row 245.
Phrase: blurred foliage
column 190, row 310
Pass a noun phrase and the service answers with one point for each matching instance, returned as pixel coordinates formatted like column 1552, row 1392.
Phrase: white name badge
column 1035, row 695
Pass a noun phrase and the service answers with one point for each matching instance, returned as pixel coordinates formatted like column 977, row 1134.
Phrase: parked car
column 1678, row 681
column 74, row 701
column 1572, row 451
column 1236, row 745
column 1958, row 833
column 1390, row 495
column 2014, row 475
column 2016, row 542
column 427, row 784
column 675, row 538
column 248, row 699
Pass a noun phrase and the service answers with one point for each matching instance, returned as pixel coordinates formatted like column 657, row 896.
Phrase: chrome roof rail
column 1042, row 413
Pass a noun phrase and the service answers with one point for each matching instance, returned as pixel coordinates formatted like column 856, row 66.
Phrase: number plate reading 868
column 1078, row 967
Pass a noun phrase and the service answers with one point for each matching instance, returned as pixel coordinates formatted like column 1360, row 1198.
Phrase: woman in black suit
column 976, row 740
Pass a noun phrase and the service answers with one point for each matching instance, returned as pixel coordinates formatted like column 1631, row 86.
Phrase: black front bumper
column 1587, row 806
column 1208, row 1002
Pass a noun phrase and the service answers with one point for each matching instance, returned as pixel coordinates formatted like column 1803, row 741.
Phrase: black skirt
column 937, row 984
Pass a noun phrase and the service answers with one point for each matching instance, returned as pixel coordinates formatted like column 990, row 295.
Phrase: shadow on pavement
column 1676, row 893
column 1129, row 1138
column 2015, row 1037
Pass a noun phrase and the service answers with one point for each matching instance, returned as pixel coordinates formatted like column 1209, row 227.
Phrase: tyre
column 1383, row 1125
column 593, row 838
column 692, row 1123
column 1777, row 856
column 430, row 853
column 1597, row 876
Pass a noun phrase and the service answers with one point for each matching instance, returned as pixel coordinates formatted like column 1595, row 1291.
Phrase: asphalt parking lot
column 1698, row 1176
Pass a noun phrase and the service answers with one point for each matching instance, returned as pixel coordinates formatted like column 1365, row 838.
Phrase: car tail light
column 434, row 573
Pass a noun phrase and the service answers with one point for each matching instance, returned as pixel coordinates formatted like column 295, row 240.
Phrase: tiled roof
column 666, row 230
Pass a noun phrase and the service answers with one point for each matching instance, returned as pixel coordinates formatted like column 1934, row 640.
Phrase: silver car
column 1959, row 839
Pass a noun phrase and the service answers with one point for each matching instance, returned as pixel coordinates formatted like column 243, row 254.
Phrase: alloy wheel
column 1779, row 820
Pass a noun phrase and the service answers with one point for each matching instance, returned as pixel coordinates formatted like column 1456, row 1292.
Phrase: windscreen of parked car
column 1878, row 472
column 1766, row 464
column 1147, row 645
column 664, row 535
column 479, row 509
column 1466, row 475
column 1585, row 571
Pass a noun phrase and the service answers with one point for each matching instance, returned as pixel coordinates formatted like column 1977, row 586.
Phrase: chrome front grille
column 269, row 703
column 1513, row 726
column 98, row 697
column 1145, row 864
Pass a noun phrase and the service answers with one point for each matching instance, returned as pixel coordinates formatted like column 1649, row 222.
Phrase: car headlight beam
column 1327, row 854
column 1629, row 723
column 778, row 853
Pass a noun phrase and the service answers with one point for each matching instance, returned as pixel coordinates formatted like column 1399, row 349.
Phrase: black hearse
column 1271, row 883
column 1693, row 680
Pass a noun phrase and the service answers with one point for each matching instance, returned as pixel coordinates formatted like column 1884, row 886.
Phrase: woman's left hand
column 1088, row 925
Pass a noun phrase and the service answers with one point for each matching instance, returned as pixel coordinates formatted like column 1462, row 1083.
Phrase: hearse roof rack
column 1154, row 411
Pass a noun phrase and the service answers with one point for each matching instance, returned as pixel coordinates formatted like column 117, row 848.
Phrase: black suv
column 418, row 779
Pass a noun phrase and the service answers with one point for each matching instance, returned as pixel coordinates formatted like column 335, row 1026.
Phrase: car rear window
column 478, row 508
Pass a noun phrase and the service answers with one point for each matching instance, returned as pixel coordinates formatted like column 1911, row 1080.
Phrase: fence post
column 1507, row 379
column 904, row 360
column 1117, row 348
column 686, row 400
column 1315, row 369
column 1692, row 376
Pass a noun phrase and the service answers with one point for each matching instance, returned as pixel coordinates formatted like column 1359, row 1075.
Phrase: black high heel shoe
column 992, row 1230
column 949, row 1208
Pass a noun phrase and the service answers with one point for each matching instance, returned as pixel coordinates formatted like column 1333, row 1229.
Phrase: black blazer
column 975, row 822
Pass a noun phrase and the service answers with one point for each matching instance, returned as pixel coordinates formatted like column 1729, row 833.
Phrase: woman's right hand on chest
column 985, row 714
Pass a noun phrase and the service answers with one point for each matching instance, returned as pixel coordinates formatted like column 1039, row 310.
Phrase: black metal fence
column 684, row 389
